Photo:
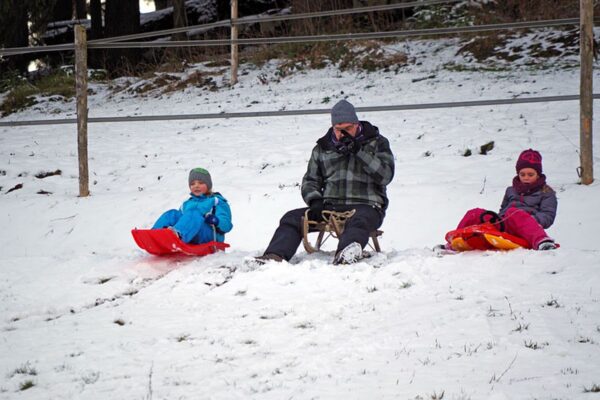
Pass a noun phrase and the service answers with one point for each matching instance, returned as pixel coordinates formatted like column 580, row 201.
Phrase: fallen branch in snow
column 42, row 175
column 149, row 396
column 512, row 314
column 423, row 78
column 63, row 218
column 16, row 187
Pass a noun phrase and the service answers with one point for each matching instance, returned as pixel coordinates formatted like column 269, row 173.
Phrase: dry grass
column 23, row 94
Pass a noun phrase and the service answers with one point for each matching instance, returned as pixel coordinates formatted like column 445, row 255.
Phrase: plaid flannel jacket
column 359, row 178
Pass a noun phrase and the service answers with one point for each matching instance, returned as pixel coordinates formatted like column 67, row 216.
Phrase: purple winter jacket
column 541, row 204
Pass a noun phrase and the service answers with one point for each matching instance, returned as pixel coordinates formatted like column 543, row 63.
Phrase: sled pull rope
column 214, row 228
column 333, row 224
column 338, row 220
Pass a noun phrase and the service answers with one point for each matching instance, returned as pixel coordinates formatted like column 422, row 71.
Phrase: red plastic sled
column 162, row 242
column 484, row 237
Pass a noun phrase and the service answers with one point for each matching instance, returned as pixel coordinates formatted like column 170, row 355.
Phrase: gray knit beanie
column 202, row 175
column 342, row 112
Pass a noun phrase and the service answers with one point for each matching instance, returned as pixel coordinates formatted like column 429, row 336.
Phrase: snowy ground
column 87, row 315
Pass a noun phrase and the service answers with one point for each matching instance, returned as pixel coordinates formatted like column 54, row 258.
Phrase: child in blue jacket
column 204, row 217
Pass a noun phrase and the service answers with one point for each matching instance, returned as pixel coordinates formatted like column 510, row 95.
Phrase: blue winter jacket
column 541, row 204
column 212, row 204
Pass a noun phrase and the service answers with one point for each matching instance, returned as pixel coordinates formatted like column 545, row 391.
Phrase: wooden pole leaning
column 234, row 46
column 586, row 88
column 82, row 108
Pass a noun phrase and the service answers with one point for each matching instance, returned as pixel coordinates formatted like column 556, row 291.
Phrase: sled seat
column 332, row 226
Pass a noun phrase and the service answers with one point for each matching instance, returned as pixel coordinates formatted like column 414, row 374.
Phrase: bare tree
column 179, row 18
column 62, row 10
column 79, row 9
column 180, row 21
column 96, row 16
column 96, row 57
column 13, row 33
column 313, row 26
column 162, row 4
column 122, row 17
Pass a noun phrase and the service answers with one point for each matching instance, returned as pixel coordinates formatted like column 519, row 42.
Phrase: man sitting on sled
column 349, row 169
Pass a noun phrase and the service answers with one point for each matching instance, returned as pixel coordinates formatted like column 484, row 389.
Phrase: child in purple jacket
column 529, row 205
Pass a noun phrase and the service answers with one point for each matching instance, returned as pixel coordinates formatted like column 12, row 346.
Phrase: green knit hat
column 202, row 175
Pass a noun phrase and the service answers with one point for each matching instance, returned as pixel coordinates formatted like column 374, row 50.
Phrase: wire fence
column 117, row 42
column 586, row 96
column 296, row 39
column 227, row 23
column 274, row 18
column 337, row 37
column 288, row 113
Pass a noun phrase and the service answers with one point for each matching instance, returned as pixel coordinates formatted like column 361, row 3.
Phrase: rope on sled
column 333, row 223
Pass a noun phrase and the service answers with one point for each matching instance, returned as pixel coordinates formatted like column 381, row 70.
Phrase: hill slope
column 87, row 315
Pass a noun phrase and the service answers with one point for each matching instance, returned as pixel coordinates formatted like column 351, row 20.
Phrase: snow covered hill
column 87, row 315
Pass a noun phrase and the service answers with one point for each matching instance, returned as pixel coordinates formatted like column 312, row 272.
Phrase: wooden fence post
column 82, row 107
column 234, row 47
column 586, row 49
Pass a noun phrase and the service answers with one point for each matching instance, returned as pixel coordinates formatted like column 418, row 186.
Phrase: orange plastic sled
column 484, row 237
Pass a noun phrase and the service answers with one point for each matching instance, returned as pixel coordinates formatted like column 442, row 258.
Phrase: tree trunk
column 96, row 57
column 162, row 4
column 180, row 21
column 96, row 15
column 62, row 10
column 122, row 17
column 79, row 9
column 234, row 47
column 179, row 18
column 223, row 9
column 14, row 33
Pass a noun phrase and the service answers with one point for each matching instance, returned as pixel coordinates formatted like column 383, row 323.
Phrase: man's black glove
column 349, row 144
column 315, row 213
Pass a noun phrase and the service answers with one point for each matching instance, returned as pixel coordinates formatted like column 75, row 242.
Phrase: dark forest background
column 46, row 22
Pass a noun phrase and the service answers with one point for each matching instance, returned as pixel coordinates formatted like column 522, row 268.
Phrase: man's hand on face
column 349, row 128
column 345, row 133
column 349, row 144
